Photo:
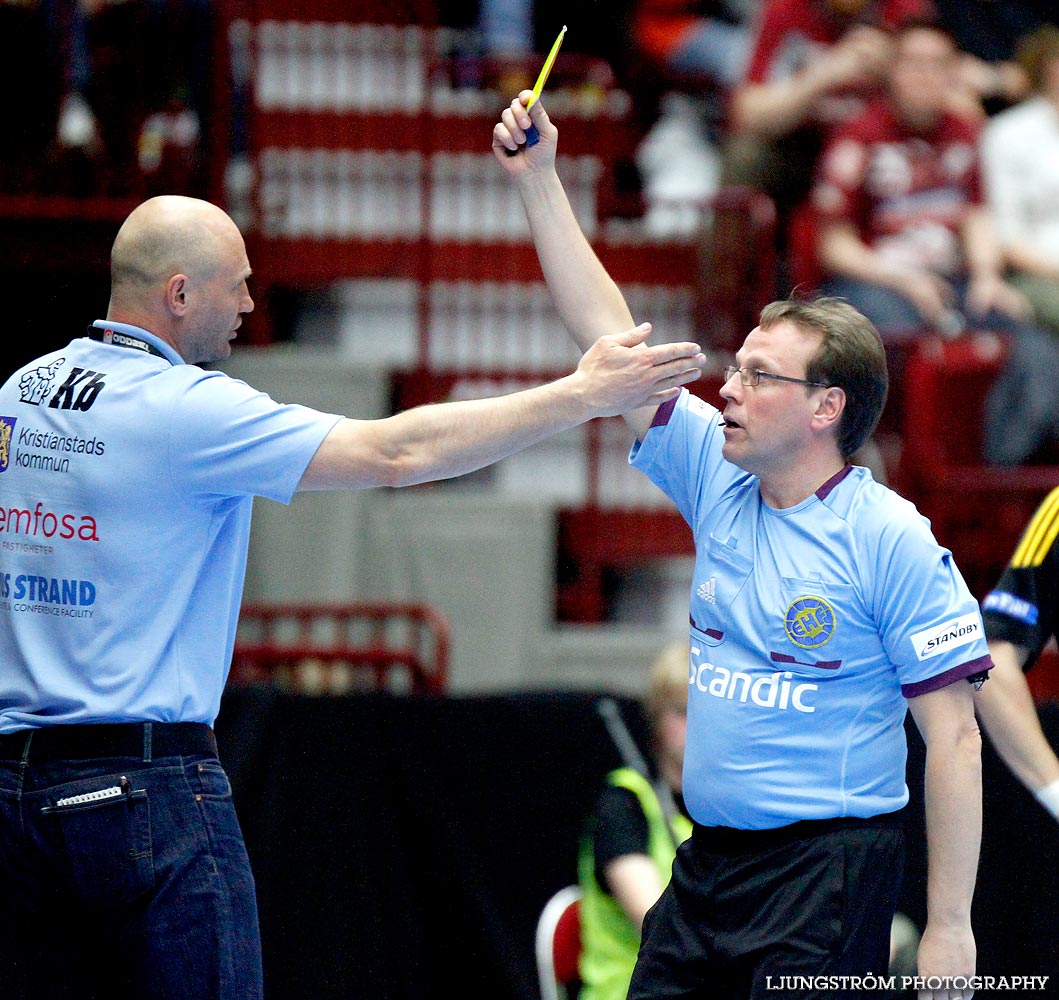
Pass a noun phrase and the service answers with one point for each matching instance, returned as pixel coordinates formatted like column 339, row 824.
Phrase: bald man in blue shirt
column 128, row 474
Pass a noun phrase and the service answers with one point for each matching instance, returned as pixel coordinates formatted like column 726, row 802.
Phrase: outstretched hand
column 509, row 137
column 620, row 374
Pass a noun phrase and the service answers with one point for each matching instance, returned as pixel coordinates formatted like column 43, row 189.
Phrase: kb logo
column 87, row 385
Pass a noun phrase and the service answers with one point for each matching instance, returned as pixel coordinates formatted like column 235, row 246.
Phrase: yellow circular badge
column 810, row 622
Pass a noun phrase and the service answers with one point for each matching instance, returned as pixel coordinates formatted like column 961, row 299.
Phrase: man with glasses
column 822, row 609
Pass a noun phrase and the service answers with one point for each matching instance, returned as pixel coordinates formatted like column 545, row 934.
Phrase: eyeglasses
column 752, row 376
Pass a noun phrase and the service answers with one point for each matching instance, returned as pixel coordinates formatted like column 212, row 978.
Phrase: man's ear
column 830, row 407
column 176, row 292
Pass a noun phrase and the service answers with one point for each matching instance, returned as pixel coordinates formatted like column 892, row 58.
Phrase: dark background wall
column 54, row 281
column 403, row 847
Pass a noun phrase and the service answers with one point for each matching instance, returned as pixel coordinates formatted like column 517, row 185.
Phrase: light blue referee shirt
column 126, row 484
column 810, row 627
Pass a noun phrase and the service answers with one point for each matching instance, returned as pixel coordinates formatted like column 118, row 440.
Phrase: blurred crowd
column 104, row 97
column 910, row 147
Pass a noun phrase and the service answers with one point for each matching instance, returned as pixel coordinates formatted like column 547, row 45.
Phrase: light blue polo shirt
column 810, row 627
column 126, row 484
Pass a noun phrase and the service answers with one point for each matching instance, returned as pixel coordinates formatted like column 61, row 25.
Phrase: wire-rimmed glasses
column 753, row 376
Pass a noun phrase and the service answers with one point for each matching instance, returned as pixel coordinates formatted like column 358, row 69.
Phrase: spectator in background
column 688, row 55
column 1020, row 161
column 813, row 65
column 988, row 34
column 905, row 237
column 1021, row 615
column 104, row 65
column 506, row 27
column 627, row 853
column 707, row 39
column 133, row 79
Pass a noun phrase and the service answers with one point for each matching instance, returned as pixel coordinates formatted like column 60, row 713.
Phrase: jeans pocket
column 211, row 781
column 104, row 845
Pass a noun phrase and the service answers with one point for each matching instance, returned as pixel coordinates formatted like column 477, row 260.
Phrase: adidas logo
column 707, row 590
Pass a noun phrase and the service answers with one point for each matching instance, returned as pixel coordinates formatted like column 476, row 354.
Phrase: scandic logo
column 949, row 635
column 776, row 690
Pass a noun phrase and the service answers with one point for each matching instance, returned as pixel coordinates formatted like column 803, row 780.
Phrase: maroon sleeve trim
column 664, row 412
column 939, row 681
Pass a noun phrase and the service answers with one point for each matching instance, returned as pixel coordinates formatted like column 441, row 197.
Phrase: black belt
column 145, row 740
column 725, row 840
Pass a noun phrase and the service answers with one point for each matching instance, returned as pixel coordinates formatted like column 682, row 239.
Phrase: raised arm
column 589, row 302
column 953, row 799
column 615, row 374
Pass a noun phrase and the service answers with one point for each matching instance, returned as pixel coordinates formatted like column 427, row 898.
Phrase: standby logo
column 951, row 635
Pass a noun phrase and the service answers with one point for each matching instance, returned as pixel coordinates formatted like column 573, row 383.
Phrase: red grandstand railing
column 337, row 647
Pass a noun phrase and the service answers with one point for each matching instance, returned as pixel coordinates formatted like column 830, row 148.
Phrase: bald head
column 179, row 269
column 165, row 236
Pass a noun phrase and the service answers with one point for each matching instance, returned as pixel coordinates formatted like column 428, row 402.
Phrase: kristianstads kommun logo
column 7, row 432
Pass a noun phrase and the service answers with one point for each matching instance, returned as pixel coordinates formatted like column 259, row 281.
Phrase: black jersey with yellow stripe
column 1022, row 607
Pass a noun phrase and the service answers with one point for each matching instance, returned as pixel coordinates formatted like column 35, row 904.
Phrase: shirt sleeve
column 228, row 439
column 930, row 623
column 1002, row 178
column 681, row 454
column 1021, row 608
column 619, row 829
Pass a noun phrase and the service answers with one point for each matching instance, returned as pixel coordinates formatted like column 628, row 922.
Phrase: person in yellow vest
column 631, row 838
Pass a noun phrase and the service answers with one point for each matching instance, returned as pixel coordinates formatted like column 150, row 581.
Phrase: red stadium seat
column 976, row 510
column 558, row 943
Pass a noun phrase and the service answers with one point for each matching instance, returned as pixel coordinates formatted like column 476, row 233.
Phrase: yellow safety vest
column 609, row 942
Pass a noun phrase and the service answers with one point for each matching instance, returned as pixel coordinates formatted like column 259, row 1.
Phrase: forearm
column 953, row 801
column 1025, row 258
column 615, row 375
column 589, row 303
column 980, row 245
column 773, row 110
column 845, row 254
column 633, row 880
column 443, row 440
column 1005, row 706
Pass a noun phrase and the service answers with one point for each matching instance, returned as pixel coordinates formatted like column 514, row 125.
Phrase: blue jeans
column 143, row 893
column 898, row 320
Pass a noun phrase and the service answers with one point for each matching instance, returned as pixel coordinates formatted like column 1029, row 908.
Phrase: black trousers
column 749, row 911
